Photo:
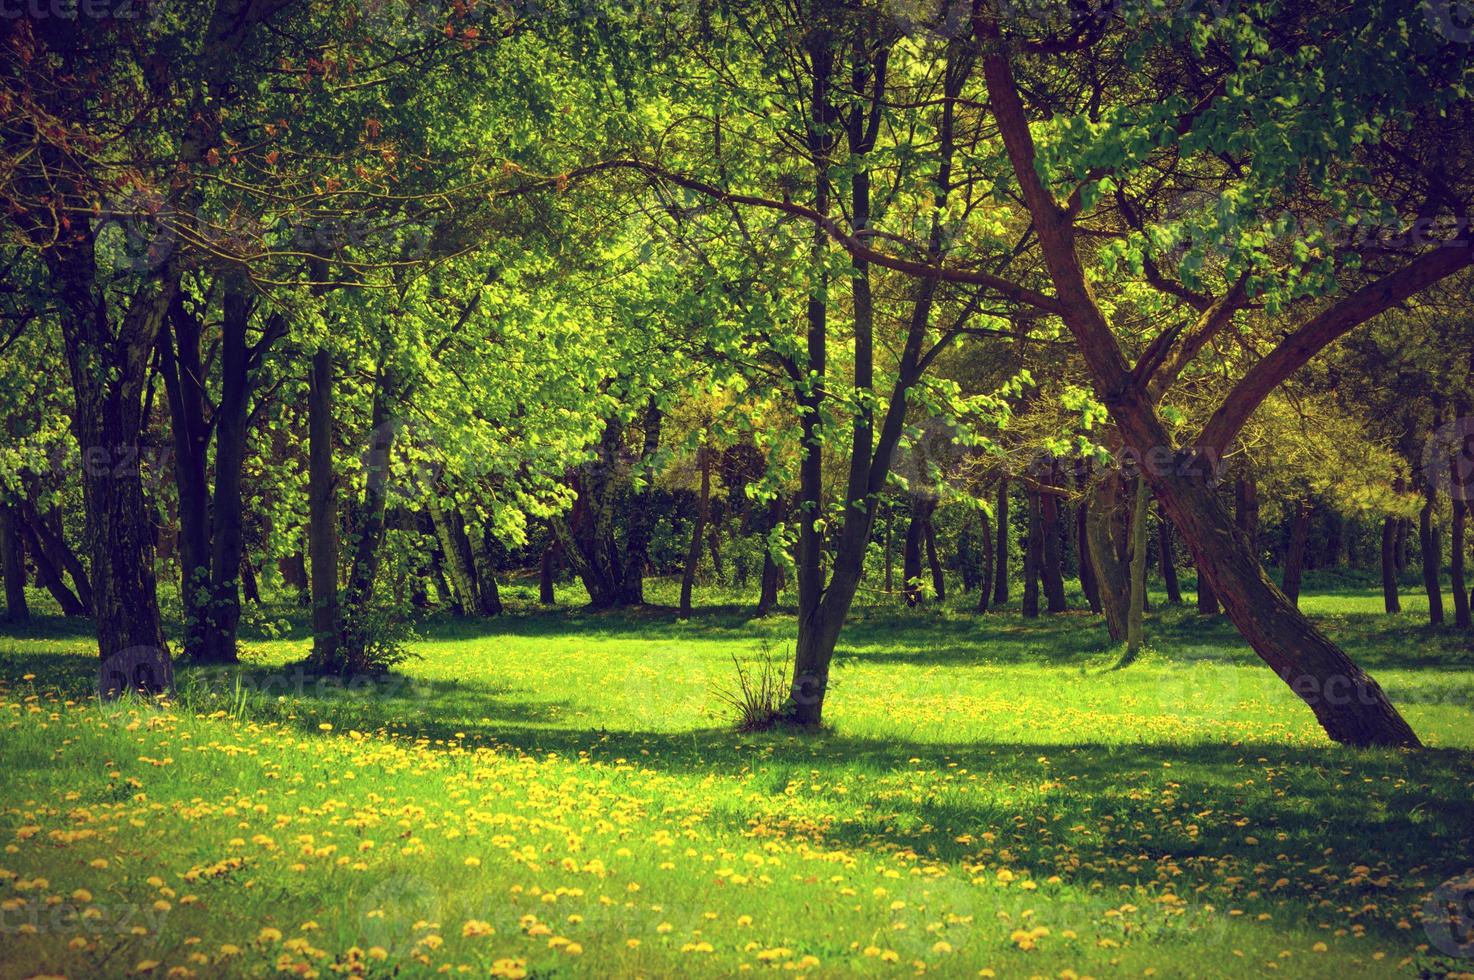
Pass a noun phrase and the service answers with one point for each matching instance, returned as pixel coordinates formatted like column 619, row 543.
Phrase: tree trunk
column 484, row 553
column 824, row 608
column 368, row 535
column 1105, row 533
column 1051, row 566
column 641, row 518
column 108, row 366
column 1136, row 608
column 967, row 560
column 1456, row 563
column 587, row 534
column 911, row 551
column 1347, row 702
column 1295, row 553
column 985, row 579
column 1390, row 599
column 183, row 370
column 1246, row 494
column 1400, row 549
column 13, row 559
column 698, row 528
column 1000, row 560
column 545, row 594
column 1033, row 556
column 929, row 536
column 1207, row 598
column 714, row 547
column 42, row 534
column 1167, row 558
column 295, row 564
column 890, row 526
column 250, row 589
column 322, row 511
column 1089, row 584
column 768, row 588
column 224, row 612
column 443, row 590
column 1429, row 540
column 455, row 545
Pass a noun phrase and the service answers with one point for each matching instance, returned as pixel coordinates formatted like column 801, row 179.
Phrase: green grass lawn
column 561, row 793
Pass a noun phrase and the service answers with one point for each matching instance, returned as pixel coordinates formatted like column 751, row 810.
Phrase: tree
column 1289, row 643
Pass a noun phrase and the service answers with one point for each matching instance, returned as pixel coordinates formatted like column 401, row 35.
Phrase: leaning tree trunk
column 1347, row 702
column 48, row 530
column 698, row 528
column 1167, row 559
column 1295, row 553
column 53, row 539
column 1207, row 598
column 1456, row 563
column 48, row 576
column 444, row 593
column 1431, row 551
column 1391, row 601
column 13, row 558
column 322, row 511
column 1246, row 509
column 1000, row 561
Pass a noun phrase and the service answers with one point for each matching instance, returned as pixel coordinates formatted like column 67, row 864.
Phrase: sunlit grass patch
column 563, row 794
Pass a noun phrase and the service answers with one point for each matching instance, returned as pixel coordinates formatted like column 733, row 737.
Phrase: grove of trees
column 380, row 303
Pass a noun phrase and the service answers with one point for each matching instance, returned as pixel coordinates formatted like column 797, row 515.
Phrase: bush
column 375, row 639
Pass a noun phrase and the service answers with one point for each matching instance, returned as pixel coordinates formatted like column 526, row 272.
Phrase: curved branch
column 1319, row 332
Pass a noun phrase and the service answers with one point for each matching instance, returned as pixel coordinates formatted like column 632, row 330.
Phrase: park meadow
column 596, row 488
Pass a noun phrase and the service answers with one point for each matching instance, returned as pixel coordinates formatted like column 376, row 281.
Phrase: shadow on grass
column 1104, row 815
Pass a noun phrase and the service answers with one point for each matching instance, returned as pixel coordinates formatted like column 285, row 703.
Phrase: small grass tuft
column 761, row 688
